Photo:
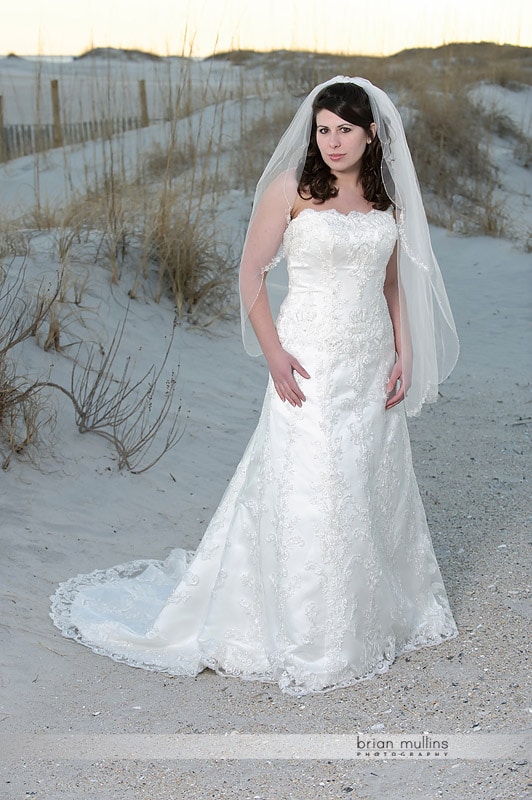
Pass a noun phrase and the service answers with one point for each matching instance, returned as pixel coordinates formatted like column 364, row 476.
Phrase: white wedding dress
column 317, row 570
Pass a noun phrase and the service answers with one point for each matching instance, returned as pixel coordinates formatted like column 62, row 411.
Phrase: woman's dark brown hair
column 350, row 102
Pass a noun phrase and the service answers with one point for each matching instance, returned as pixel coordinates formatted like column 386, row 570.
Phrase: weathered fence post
column 144, row 119
column 3, row 142
column 58, row 133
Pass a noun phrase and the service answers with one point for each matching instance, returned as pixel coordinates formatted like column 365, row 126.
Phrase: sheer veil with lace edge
column 428, row 333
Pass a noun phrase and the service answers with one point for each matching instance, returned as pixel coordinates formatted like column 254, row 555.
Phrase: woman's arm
column 396, row 387
column 262, row 243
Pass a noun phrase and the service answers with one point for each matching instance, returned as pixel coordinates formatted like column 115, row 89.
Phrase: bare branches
column 124, row 411
column 136, row 415
column 22, row 415
column 21, row 318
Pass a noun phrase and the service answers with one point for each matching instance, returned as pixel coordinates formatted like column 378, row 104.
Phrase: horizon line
column 270, row 51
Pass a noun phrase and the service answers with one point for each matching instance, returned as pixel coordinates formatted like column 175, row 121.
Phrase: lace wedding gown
column 317, row 570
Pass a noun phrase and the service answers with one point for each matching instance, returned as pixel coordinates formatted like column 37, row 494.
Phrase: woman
column 317, row 569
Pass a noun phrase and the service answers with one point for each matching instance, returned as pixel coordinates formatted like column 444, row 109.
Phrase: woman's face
column 341, row 143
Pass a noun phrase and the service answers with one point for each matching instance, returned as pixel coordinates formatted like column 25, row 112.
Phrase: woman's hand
column 282, row 366
column 397, row 386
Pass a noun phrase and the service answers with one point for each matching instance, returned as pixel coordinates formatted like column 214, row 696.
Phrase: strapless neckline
column 375, row 213
column 338, row 213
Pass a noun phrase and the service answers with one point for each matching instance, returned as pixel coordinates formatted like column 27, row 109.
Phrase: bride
column 317, row 569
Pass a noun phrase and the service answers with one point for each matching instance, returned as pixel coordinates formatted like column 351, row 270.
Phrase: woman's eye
column 322, row 130
column 345, row 130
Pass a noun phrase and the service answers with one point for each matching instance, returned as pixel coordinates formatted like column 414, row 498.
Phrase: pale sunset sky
column 201, row 27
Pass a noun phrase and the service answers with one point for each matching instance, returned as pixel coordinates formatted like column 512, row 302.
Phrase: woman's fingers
column 394, row 377
column 395, row 388
column 283, row 367
column 295, row 392
column 298, row 368
column 291, row 392
column 395, row 398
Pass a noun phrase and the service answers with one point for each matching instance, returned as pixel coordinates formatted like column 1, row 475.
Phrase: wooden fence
column 24, row 140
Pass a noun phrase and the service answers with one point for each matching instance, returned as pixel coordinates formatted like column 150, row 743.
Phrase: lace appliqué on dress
column 317, row 569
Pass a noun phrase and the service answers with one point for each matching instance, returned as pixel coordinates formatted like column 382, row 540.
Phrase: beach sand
column 472, row 459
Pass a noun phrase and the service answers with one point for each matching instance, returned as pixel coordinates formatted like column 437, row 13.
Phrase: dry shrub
column 488, row 217
column 14, row 242
column 258, row 142
column 126, row 411
column 445, row 138
column 43, row 217
column 523, row 151
column 73, row 285
column 99, row 226
column 511, row 73
column 147, row 228
column 184, row 251
column 53, row 337
column 163, row 162
column 496, row 123
column 451, row 137
column 25, row 413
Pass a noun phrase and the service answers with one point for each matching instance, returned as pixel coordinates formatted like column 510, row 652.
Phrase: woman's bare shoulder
column 282, row 187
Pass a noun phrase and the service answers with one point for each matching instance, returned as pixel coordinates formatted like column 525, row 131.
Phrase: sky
column 201, row 27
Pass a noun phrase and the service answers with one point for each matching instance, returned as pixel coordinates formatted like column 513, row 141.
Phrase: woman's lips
column 336, row 156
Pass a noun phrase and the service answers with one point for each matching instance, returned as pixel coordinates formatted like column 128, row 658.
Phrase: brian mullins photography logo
column 413, row 747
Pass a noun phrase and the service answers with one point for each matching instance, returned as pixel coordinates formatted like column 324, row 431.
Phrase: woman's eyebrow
column 343, row 125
